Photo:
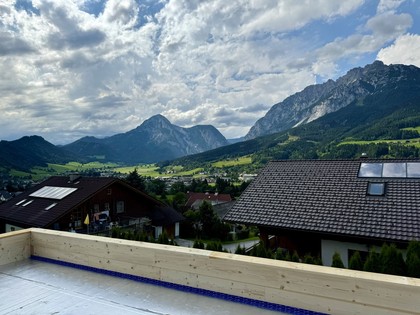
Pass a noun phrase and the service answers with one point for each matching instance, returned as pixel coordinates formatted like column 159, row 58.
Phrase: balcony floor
column 34, row 287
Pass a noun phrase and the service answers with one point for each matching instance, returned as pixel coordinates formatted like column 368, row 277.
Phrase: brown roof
column 34, row 214
column 193, row 197
column 330, row 197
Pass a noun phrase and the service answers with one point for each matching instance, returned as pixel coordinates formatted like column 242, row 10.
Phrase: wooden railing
column 316, row 288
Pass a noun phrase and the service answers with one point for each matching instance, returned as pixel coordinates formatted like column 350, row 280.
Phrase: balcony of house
column 52, row 271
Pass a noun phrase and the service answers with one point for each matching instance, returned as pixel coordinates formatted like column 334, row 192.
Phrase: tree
column 391, row 260
column 336, row 261
column 355, row 262
column 373, row 262
column 413, row 259
column 207, row 218
column 134, row 179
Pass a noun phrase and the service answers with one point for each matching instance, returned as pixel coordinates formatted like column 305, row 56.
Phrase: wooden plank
column 14, row 246
column 318, row 288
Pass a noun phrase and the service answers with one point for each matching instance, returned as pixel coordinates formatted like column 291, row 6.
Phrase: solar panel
column 389, row 170
column 370, row 170
column 51, row 192
column 395, row 170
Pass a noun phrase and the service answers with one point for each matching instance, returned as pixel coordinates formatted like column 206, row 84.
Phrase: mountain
column 30, row 151
column 382, row 103
column 318, row 100
column 156, row 139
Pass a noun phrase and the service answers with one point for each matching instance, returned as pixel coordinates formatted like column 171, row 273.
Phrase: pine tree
column 413, row 259
column 336, row 261
column 355, row 262
column 391, row 260
column 372, row 263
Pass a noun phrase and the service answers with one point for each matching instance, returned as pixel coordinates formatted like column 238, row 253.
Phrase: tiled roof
column 212, row 198
column 327, row 196
column 34, row 214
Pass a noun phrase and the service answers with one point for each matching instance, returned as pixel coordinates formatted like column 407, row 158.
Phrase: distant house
column 5, row 195
column 327, row 206
column 194, row 200
column 64, row 203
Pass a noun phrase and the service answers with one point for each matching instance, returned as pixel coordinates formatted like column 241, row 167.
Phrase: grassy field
column 412, row 142
column 233, row 162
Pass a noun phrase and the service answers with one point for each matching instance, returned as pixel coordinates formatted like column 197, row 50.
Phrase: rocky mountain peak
column 318, row 100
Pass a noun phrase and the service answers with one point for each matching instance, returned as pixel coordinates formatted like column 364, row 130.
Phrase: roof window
column 376, row 189
column 20, row 202
column 27, row 203
column 51, row 206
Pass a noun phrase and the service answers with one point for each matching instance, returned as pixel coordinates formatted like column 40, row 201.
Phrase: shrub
column 373, row 262
column 391, row 260
column 355, row 262
column 336, row 261
column 413, row 259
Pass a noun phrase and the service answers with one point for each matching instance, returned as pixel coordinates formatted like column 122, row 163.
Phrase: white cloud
column 404, row 50
column 69, row 70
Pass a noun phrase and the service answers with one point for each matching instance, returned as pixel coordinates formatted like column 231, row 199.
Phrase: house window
column 106, row 206
column 109, row 191
column 120, row 206
column 376, row 189
column 96, row 207
column 77, row 218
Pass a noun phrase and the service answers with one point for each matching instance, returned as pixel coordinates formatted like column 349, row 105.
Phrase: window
column 376, row 189
column 51, row 206
column 106, row 206
column 20, row 202
column 109, row 191
column 120, row 206
column 27, row 203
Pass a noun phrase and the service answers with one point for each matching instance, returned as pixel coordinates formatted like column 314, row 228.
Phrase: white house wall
column 329, row 247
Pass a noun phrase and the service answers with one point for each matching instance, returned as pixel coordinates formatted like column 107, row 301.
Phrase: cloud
column 404, row 50
column 97, row 67
column 13, row 46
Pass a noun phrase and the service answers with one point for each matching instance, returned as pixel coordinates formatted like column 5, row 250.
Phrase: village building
column 86, row 204
column 326, row 206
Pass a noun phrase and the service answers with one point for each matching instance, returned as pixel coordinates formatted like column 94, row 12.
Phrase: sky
column 75, row 68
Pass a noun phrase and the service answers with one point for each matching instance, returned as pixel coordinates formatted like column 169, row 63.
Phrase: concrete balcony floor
column 34, row 287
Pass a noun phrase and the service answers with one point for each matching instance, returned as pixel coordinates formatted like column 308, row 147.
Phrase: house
column 194, row 200
column 69, row 203
column 326, row 206
column 5, row 195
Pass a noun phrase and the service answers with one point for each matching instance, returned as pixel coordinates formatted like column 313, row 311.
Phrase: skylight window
column 27, row 203
column 51, row 206
column 51, row 192
column 20, row 202
column 376, row 189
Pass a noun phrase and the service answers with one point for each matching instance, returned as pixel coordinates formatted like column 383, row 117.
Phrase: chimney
column 364, row 155
column 73, row 177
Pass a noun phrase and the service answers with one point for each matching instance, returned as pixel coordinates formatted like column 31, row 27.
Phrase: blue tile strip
column 184, row 288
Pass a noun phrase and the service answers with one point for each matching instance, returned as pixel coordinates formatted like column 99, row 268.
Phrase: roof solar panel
column 51, row 192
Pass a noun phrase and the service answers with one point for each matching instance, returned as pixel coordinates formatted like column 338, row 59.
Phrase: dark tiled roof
column 34, row 214
column 326, row 196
